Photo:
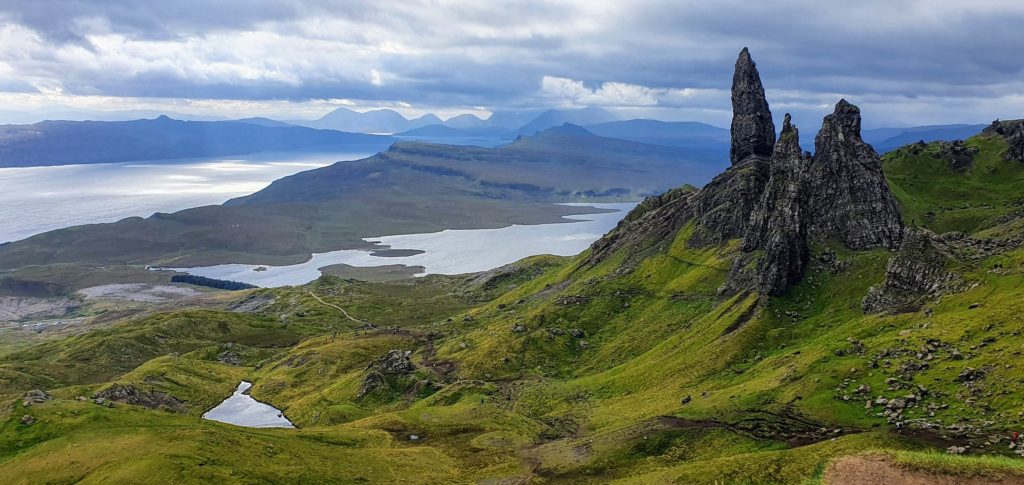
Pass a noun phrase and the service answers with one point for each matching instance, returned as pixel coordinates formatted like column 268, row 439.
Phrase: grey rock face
column 723, row 207
column 849, row 198
column 130, row 394
column 917, row 272
column 1013, row 132
column 960, row 156
column 753, row 132
column 393, row 363
column 778, row 225
column 35, row 396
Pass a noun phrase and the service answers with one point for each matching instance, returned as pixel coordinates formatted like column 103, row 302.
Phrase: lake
column 445, row 252
column 40, row 199
column 241, row 409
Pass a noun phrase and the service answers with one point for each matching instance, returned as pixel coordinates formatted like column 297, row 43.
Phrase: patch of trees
column 211, row 282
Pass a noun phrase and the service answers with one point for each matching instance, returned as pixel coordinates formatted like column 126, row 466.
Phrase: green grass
column 525, row 399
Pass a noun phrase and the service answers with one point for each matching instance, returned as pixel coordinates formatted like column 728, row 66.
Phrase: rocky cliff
column 1013, row 132
column 753, row 132
column 777, row 229
column 850, row 199
column 774, row 196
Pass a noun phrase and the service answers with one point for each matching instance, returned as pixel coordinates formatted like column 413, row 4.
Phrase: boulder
column 35, row 396
column 129, row 394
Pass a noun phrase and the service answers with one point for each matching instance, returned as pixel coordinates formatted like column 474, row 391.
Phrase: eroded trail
column 876, row 470
column 340, row 309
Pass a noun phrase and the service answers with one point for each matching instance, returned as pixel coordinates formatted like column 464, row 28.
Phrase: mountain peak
column 753, row 132
column 568, row 129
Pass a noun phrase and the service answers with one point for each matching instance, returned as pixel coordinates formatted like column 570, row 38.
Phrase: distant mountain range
column 888, row 139
column 68, row 142
column 412, row 187
column 73, row 142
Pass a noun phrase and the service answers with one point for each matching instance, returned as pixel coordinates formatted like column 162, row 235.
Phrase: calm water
column 446, row 252
column 241, row 409
column 40, row 199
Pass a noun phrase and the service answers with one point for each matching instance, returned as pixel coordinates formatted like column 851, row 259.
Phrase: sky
column 905, row 62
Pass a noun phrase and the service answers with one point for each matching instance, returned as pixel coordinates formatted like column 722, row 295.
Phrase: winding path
column 336, row 307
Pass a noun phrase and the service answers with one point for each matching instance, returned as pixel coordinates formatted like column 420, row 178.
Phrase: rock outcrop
column 129, row 394
column 959, row 156
column 774, row 196
column 753, row 132
column 916, row 273
column 777, row 229
column 1013, row 132
column 849, row 198
column 393, row 363
column 35, row 396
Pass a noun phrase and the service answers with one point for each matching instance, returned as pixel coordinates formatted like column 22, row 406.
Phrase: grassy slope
column 534, row 402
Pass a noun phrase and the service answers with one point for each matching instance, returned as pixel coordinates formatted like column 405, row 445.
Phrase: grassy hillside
column 558, row 370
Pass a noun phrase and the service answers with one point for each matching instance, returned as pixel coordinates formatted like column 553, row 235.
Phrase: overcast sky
column 902, row 61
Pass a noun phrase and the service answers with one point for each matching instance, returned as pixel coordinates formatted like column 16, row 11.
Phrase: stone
column 518, row 328
column 849, row 198
column 393, row 363
column 753, row 132
column 959, row 156
column 28, row 420
column 229, row 357
column 1013, row 132
column 915, row 274
column 129, row 394
column 686, row 400
column 577, row 333
column 35, row 396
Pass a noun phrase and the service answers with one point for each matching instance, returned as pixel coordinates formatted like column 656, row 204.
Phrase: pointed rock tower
column 778, row 225
column 724, row 205
column 753, row 132
column 850, row 199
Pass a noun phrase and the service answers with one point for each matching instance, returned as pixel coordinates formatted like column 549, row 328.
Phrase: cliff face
column 778, row 225
column 850, row 199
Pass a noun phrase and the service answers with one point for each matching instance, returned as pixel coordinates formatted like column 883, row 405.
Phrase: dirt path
column 340, row 309
column 876, row 470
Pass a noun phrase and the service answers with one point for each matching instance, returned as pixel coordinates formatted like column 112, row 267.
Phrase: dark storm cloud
column 904, row 54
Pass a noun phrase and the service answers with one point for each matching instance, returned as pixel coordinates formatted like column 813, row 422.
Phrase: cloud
column 915, row 61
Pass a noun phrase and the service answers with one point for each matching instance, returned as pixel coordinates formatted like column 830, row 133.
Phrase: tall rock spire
column 776, row 235
column 850, row 199
column 753, row 132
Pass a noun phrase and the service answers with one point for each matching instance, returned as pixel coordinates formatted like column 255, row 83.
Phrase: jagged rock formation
column 916, row 273
column 774, row 196
column 130, row 394
column 960, row 156
column 777, row 229
column 753, row 132
column 850, row 199
column 393, row 363
column 1013, row 132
